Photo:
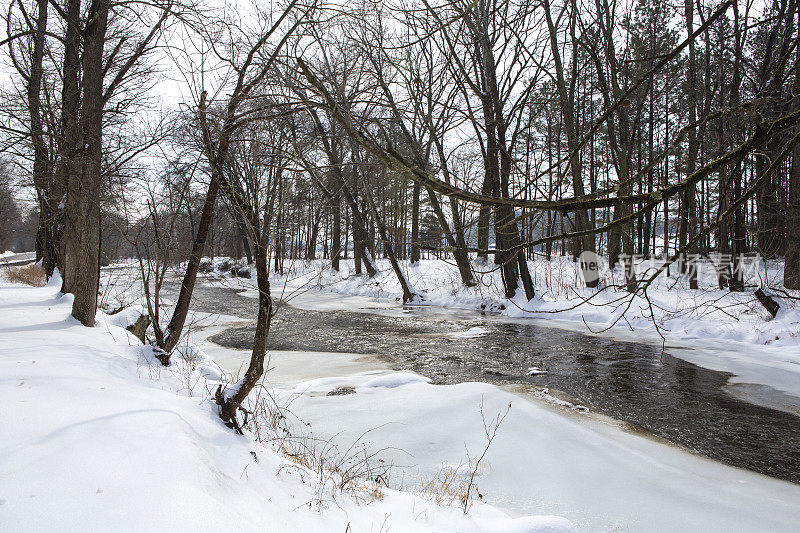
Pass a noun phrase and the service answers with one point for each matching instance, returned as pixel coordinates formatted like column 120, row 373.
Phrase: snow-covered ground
column 677, row 311
column 97, row 433
column 97, row 436
column 593, row 473
column 544, row 460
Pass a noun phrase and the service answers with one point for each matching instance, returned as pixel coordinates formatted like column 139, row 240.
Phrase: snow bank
column 680, row 313
column 471, row 333
column 542, row 460
column 395, row 379
column 98, row 436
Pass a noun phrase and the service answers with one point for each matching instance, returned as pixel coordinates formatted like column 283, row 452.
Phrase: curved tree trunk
column 181, row 311
column 231, row 400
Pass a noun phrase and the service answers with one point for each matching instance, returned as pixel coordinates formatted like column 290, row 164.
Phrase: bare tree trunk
column 231, row 400
column 216, row 159
column 771, row 221
column 358, row 250
column 70, row 140
column 738, row 234
column 791, row 267
column 620, row 140
column 414, row 256
column 46, row 245
column 503, row 215
column 484, row 213
column 279, row 251
column 408, row 294
column 770, row 232
column 311, row 250
column 362, row 251
column 178, row 320
column 248, row 252
column 688, row 220
column 86, row 185
column 566, row 100
column 460, row 250
column 336, row 238
column 456, row 242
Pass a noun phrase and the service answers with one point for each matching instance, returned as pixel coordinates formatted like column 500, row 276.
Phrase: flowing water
column 634, row 382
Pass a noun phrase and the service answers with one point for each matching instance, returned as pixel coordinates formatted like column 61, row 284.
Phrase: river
column 651, row 390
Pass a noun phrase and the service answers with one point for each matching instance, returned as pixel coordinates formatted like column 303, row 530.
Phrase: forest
column 484, row 134
column 585, row 160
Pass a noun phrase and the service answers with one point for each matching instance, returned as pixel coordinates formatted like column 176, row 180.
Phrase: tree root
column 228, row 409
column 161, row 355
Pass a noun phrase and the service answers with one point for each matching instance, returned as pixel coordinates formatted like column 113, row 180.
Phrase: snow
column 98, row 436
column 535, row 371
column 109, row 417
column 593, row 473
column 395, row 379
column 471, row 333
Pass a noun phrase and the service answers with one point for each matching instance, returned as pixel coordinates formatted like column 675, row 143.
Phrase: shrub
column 32, row 275
column 240, row 272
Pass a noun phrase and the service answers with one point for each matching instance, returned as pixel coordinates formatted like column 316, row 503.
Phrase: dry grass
column 330, row 469
column 458, row 485
column 32, row 275
column 449, row 487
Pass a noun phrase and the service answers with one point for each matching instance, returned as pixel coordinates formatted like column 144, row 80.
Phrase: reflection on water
column 661, row 394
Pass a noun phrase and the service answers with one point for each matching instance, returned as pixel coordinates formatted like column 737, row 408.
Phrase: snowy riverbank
column 677, row 311
column 96, row 423
column 546, row 460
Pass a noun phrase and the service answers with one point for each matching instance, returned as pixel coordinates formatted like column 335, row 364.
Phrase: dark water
column 636, row 383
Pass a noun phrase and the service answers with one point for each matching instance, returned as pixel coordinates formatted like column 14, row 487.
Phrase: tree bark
column 82, row 246
column 336, row 234
column 484, row 213
column 791, row 267
column 181, row 311
column 230, row 401
column 70, row 141
column 688, row 220
column 414, row 255
column 46, row 245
